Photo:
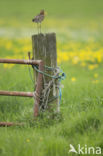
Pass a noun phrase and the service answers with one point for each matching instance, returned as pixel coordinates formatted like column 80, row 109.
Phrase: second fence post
column 44, row 48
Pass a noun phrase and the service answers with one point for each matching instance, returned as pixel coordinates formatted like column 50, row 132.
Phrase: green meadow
column 78, row 25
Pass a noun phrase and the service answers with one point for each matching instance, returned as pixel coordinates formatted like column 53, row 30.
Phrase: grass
column 80, row 121
column 26, row 9
column 79, row 28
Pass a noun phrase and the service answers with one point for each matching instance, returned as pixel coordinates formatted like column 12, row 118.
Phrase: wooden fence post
column 44, row 48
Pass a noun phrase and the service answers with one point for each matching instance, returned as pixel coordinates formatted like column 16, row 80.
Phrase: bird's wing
column 36, row 17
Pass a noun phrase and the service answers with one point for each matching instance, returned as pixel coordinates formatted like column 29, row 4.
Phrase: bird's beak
column 46, row 13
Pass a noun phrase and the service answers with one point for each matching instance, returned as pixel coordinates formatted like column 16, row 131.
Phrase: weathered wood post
column 44, row 48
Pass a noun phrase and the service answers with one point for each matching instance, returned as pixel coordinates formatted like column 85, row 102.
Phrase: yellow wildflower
column 83, row 64
column 95, row 81
column 28, row 140
column 8, row 65
column 73, row 79
column 99, row 57
column 91, row 67
column 95, row 75
column 8, row 45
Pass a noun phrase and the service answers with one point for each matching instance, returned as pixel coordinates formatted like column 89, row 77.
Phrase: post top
column 45, row 34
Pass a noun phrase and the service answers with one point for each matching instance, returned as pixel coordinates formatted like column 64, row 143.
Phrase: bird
column 38, row 19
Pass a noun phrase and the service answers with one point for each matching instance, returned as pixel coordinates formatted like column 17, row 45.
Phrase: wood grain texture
column 44, row 48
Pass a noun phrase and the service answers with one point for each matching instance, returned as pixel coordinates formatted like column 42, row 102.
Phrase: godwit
column 38, row 19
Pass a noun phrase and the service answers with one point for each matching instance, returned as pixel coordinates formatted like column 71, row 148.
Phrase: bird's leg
column 37, row 27
column 40, row 27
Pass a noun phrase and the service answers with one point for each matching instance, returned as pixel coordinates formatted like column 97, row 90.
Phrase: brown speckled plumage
column 39, row 18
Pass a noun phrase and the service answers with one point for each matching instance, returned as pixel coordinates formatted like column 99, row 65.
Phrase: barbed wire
column 48, row 87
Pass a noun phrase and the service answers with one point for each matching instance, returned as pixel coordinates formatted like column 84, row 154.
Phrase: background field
column 79, row 28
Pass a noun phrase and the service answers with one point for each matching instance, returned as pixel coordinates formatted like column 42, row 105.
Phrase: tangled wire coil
column 52, row 84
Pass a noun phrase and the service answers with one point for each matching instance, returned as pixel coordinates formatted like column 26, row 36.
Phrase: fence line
column 39, row 84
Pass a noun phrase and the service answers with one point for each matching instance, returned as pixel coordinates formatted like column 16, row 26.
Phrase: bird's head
column 42, row 12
